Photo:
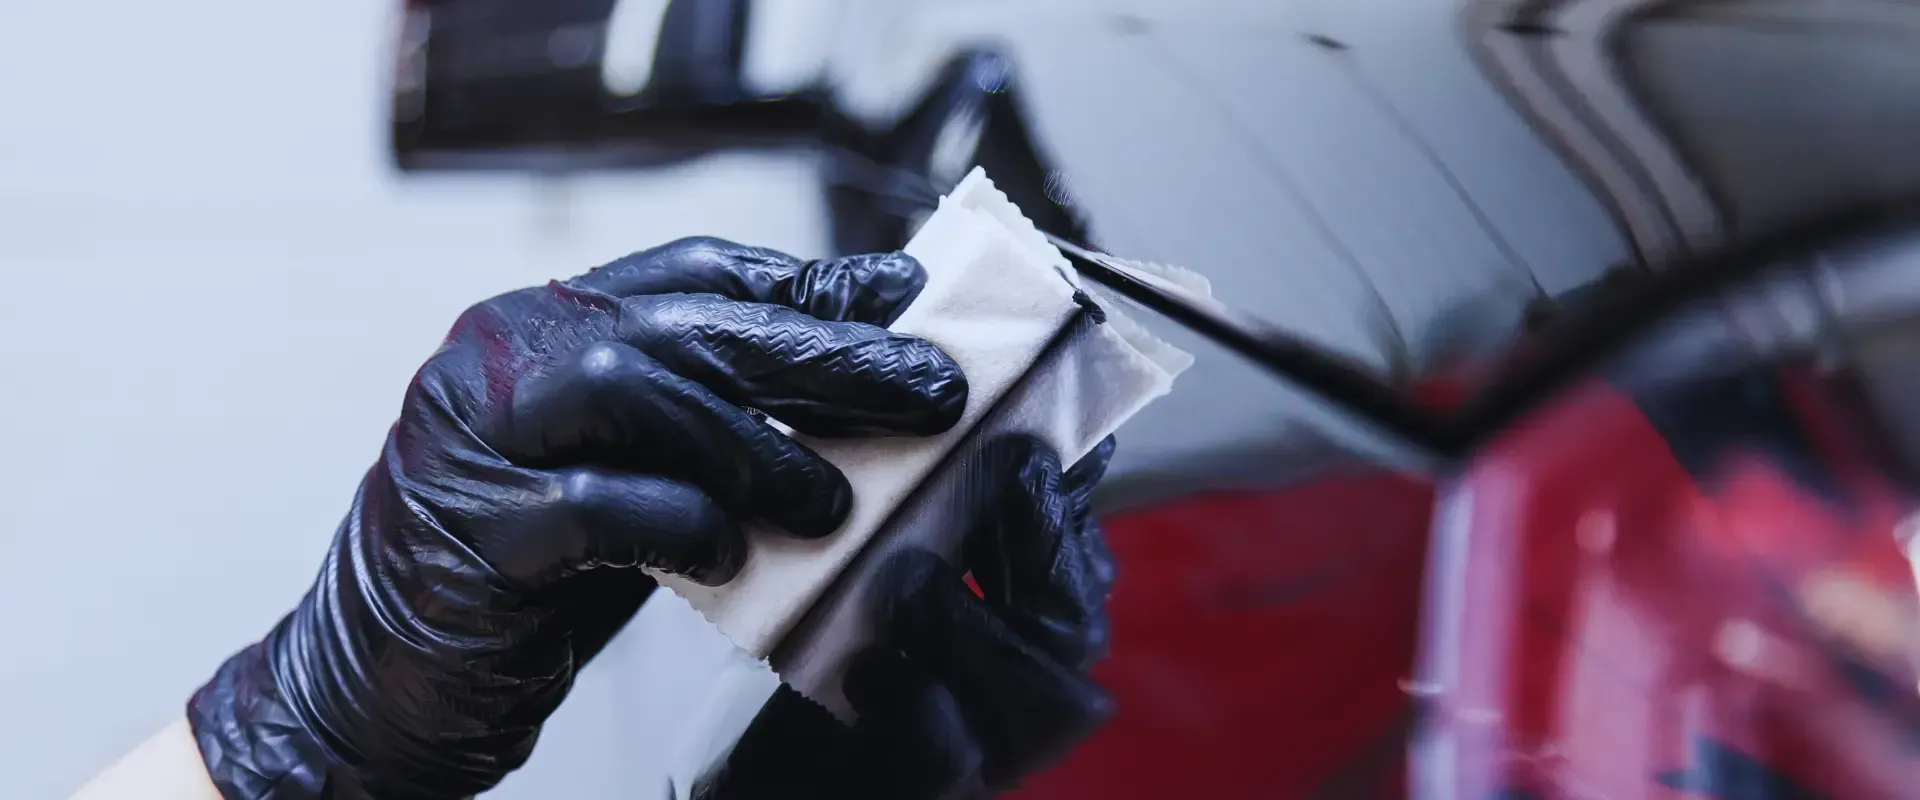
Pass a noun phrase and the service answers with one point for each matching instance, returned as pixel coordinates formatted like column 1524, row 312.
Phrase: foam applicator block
column 1001, row 301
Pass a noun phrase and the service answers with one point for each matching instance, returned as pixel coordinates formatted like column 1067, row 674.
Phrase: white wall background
column 213, row 295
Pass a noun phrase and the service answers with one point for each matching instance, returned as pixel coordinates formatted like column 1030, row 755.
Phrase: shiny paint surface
column 1261, row 641
column 1401, row 184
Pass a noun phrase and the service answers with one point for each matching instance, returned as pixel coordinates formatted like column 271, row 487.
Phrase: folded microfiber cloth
column 1041, row 357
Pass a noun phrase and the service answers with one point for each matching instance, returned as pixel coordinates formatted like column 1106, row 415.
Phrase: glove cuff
column 254, row 745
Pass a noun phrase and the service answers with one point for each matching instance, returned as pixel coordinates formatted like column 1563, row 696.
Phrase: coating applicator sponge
column 1039, row 356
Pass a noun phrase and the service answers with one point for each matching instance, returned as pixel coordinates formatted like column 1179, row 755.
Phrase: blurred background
column 231, row 231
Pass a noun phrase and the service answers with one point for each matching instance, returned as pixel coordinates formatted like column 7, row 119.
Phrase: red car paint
column 1610, row 629
column 1613, row 628
column 1260, row 640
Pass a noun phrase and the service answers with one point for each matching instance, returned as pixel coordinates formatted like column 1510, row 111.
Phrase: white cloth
column 1005, row 305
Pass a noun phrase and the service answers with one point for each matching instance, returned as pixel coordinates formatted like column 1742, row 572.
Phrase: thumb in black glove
column 964, row 694
column 562, row 437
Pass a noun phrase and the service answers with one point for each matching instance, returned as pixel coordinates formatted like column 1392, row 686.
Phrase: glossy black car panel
column 1406, row 186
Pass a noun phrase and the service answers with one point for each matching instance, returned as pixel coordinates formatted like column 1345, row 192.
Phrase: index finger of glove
column 823, row 378
column 873, row 288
column 1034, row 548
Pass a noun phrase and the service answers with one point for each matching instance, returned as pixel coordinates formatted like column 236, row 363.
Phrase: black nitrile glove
column 964, row 695
column 562, row 437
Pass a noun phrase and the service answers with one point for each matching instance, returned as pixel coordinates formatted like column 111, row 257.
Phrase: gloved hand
column 964, row 694
column 562, row 437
